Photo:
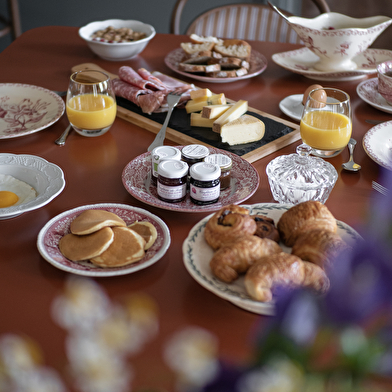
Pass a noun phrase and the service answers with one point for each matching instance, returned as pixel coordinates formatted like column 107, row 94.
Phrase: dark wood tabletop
column 93, row 168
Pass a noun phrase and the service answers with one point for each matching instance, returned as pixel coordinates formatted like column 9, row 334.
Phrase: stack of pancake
column 105, row 240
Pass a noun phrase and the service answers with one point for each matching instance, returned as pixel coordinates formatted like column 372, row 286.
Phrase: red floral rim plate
column 26, row 109
column 136, row 178
column 56, row 228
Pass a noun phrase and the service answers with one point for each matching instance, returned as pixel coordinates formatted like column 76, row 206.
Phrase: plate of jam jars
column 214, row 178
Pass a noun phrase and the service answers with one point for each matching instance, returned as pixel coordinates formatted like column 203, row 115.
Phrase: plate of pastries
column 103, row 240
column 242, row 253
column 214, row 60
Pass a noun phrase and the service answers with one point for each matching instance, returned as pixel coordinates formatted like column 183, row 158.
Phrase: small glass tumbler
column 326, row 123
column 91, row 104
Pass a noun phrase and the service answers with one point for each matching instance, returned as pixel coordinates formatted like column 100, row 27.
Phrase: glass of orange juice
column 326, row 123
column 91, row 104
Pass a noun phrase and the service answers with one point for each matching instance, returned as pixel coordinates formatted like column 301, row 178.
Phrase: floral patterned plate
column 377, row 143
column 26, row 109
column 136, row 178
column 257, row 62
column 50, row 234
column 368, row 91
column 301, row 61
column 197, row 254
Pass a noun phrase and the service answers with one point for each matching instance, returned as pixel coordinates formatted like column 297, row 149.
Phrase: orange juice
column 325, row 130
column 90, row 111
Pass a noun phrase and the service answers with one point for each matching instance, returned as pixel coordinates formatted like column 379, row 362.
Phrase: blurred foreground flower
column 103, row 334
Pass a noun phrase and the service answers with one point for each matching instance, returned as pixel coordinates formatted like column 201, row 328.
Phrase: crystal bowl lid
column 301, row 171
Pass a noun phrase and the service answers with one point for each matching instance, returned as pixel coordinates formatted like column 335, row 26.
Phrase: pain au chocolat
column 227, row 225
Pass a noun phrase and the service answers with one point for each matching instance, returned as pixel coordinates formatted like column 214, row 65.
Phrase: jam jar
column 194, row 153
column 225, row 163
column 162, row 152
column 204, row 183
column 172, row 180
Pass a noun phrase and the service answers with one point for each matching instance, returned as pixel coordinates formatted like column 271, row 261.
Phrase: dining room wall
column 158, row 12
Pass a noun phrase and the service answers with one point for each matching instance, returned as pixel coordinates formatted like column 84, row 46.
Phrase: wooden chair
column 243, row 21
column 12, row 24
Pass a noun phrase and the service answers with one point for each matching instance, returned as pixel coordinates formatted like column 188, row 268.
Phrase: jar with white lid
column 204, row 183
column 225, row 163
column 172, row 180
column 193, row 153
column 162, row 152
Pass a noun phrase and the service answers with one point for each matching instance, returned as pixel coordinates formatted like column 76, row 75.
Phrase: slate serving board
column 278, row 132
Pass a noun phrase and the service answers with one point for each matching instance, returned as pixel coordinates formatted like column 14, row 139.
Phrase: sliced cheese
column 201, row 92
column 214, row 111
column 196, row 105
column 237, row 110
column 245, row 129
column 198, row 121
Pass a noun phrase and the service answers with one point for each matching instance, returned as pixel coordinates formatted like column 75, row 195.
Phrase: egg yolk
column 8, row 199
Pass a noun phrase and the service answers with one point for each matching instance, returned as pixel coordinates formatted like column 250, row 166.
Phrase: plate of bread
column 103, row 240
column 242, row 253
column 214, row 60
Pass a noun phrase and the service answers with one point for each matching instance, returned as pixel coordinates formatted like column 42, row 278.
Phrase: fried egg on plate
column 14, row 192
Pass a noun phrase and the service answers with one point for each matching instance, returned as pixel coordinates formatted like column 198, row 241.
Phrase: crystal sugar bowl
column 296, row 178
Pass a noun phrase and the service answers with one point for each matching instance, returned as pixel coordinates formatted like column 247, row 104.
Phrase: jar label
column 171, row 192
column 205, row 194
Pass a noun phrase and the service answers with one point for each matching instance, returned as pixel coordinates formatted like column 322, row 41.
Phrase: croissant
column 228, row 224
column 319, row 246
column 235, row 258
column 281, row 268
column 266, row 228
column 315, row 278
column 303, row 217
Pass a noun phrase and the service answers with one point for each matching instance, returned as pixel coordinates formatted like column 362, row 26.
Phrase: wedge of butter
column 214, row 111
column 245, row 129
column 237, row 110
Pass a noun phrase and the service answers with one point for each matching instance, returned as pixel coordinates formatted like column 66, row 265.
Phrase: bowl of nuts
column 116, row 39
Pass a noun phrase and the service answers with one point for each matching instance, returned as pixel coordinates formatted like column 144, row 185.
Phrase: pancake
column 127, row 247
column 84, row 247
column 147, row 230
column 90, row 221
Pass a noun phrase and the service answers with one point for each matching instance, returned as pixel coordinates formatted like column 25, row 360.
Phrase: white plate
column 136, row 178
column 368, row 91
column 197, row 255
column 257, row 62
column 292, row 106
column 301, row 61
column 26, row 109
column 377, row 143
column 50, row 234
column 46, row 178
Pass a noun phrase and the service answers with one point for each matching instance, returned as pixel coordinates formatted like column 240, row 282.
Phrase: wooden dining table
column 93, row 169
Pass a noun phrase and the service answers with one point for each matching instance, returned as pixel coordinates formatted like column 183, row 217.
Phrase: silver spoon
column 61, row 140
column 351, row 165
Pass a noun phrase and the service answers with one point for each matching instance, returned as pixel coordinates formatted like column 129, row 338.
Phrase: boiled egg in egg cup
column 27, row 182
column 293, row 105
